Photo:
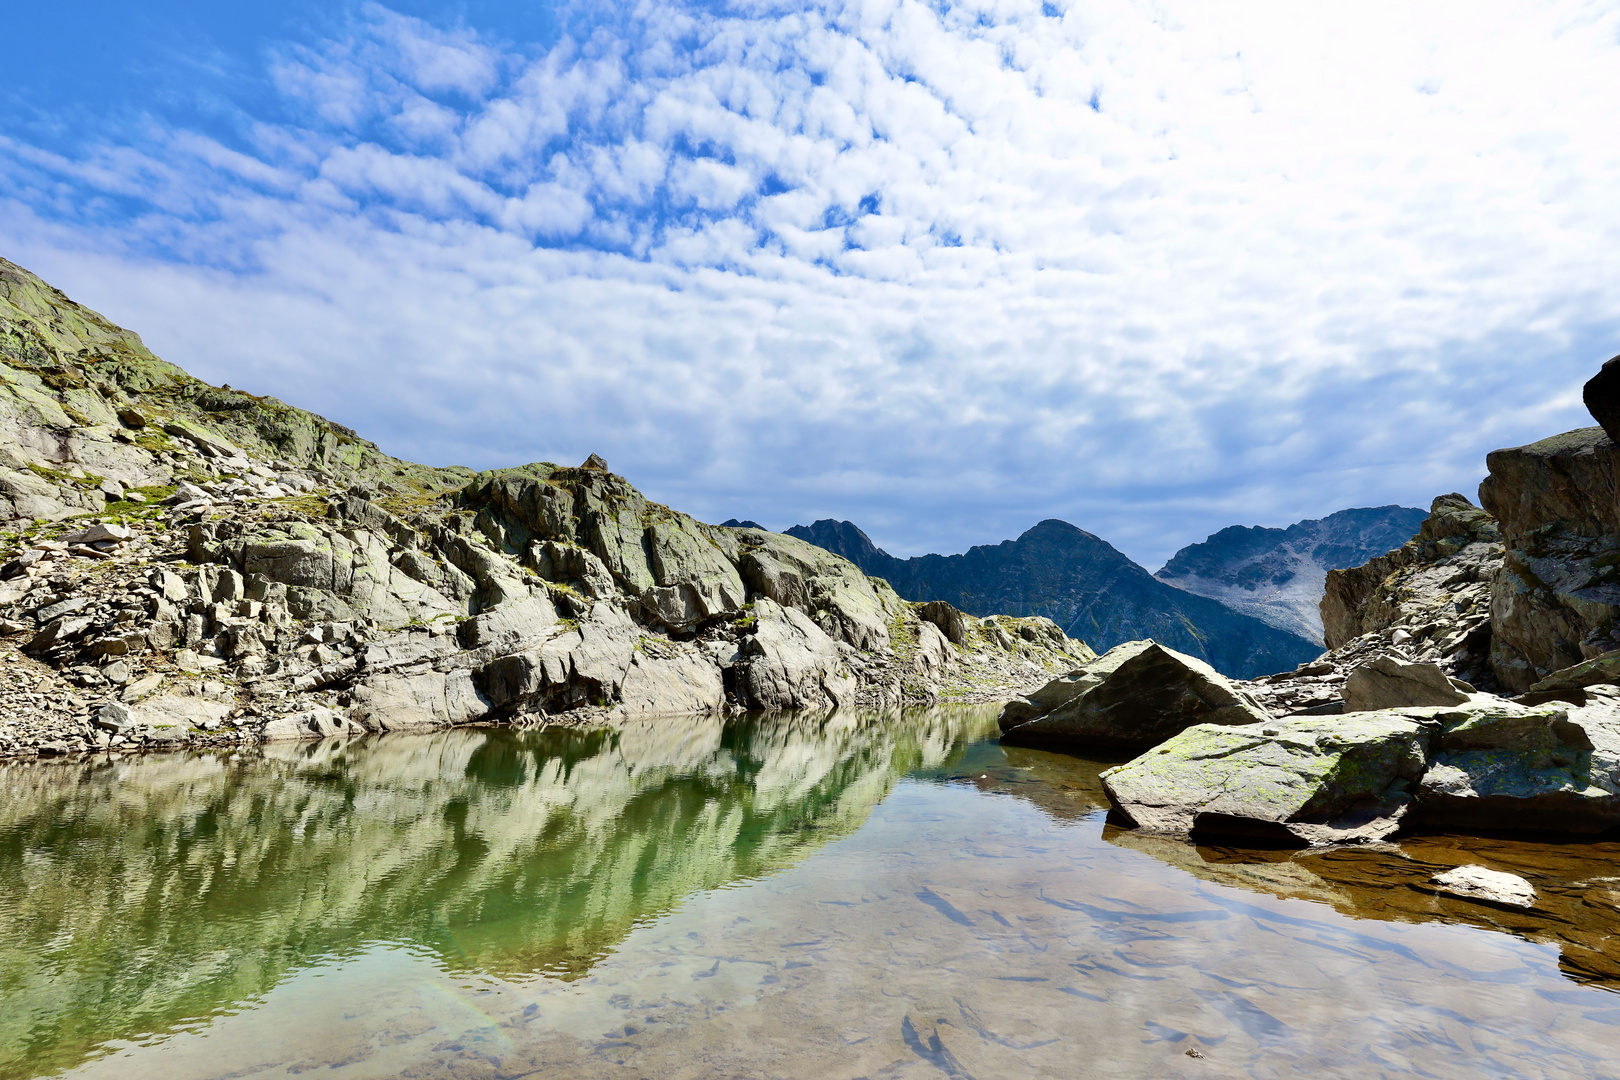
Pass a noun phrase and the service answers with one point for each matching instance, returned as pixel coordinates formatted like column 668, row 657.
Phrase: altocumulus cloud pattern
column 942, row 268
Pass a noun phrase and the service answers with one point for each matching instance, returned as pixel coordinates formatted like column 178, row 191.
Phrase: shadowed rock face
column 1083, row 584
column 1555, row 598
column 1279, row 575
column 1601, row 395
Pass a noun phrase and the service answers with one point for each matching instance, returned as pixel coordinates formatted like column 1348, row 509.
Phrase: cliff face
column 1083, row 584
column 1555, row 598
column 1279, row 575
column 195, row 564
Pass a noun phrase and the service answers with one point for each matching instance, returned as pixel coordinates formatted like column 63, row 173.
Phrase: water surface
column 860, row 895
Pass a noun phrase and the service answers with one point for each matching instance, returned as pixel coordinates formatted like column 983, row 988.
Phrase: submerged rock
column 1133, row 697
column 1486, row 885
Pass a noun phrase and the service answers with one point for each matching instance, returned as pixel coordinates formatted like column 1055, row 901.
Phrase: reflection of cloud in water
column 1575, row 911
column 143, row 891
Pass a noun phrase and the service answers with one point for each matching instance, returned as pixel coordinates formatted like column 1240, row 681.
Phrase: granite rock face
column 1556, row 595
column 1133, row 697
column 255, row 571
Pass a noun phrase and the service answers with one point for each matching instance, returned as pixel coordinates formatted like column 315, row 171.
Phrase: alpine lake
column 834, row 896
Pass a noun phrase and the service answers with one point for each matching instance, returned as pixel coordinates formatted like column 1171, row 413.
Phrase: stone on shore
column 1300, row 781
column 1132, row 698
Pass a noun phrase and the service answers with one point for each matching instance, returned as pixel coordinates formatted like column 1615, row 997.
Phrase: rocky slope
column 1279, row 575
column 1082, row 583
column 1405, row 724
column 194, row 564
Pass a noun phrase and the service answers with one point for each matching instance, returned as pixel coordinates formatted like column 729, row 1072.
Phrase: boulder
column 316, row 723
column 1501, row 766
column 1388, row 683
column 1555, row 601
column 1602, row 397
column 953, row 623
column 1132, row 698
column 1300, row 781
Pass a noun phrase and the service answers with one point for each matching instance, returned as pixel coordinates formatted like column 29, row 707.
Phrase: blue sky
column 943, row 269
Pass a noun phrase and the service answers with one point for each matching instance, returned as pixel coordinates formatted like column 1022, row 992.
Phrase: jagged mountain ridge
column 1082, row 583
column 1279, row 575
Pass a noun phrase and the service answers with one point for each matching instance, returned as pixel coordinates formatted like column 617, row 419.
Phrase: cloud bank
column 941, row 268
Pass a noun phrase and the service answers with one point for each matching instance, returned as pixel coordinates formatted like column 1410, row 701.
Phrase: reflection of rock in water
column 170, row 886
column 1064, row 786
column 1574, row 910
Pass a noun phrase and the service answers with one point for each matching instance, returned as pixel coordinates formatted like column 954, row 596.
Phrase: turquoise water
column 877, row 895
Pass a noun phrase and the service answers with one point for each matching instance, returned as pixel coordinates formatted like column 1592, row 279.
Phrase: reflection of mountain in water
column 147, row 891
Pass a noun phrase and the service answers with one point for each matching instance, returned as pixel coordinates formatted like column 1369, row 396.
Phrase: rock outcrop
column 246, row 570
column 1556, row 595
column 1134, row 697
column 1427, row 602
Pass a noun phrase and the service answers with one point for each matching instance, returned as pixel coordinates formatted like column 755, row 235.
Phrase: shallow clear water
column 871, row 895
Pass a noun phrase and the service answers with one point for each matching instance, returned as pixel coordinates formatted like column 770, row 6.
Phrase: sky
column 943, row 269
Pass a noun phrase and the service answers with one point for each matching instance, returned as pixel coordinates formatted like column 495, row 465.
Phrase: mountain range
column 1278, row 575
column 1245, row 599
column 1082, row 583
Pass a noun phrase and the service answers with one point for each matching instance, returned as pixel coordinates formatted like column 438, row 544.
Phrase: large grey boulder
column 1501, row 766
column 1132, row 698
column 1388, row 683
column 1304, row 780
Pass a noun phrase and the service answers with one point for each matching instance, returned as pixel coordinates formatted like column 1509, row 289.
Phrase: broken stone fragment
column 101, row 531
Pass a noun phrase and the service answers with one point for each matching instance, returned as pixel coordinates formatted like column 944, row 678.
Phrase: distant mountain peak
column 841, row 538
column 1278, row 575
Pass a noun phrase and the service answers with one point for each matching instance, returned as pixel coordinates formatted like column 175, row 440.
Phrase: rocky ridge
column 190, row 564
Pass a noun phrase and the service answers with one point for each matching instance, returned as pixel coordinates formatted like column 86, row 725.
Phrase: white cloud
column 944, row 269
